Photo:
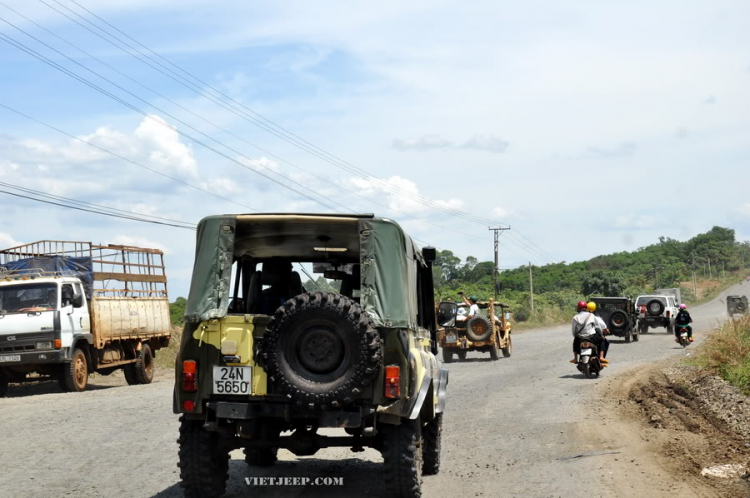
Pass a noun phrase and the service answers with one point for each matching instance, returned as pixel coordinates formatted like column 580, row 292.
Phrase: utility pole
column 497, row 254
column 531, row 286
column 695, row 282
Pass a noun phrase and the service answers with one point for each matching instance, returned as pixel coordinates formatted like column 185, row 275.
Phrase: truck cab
column 41, row 316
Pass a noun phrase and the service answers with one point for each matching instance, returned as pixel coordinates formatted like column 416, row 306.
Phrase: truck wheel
column 507, row 351
column 144, row 366
column 447, row 356
column 670, row 328
column 432, row 434
column 204, row 462
column 3, row 385
column 321, row 349
column 402, row 459
column 260, row 457
column 478, row 329
column 129, row 371
column 628, row 335
column 461, row 355
column 75, row 375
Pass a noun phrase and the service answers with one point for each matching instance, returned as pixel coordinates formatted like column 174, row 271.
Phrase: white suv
column 656, row 311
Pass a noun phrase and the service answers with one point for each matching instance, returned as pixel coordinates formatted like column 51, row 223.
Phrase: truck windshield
column 28, row 298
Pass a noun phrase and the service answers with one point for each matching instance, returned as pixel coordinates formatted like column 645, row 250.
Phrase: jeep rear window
column 644, row 300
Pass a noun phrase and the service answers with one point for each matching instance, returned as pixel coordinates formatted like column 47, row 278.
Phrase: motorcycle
column 684, row 340
column 588, row 360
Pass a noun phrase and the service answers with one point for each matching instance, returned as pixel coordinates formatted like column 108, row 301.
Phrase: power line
column 48, row 61
column 277, row 130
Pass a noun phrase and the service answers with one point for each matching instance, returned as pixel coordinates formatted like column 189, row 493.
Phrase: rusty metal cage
column 118, row 270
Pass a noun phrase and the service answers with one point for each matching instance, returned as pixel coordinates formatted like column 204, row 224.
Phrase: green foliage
column 322, row 284
column 177, row 310
column 726, row 353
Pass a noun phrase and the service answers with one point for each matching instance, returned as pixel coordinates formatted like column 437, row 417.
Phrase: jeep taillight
column 189, row 376
column 392, row 382
column 668, row 313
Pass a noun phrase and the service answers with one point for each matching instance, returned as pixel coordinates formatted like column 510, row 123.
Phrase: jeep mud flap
column 442, row 390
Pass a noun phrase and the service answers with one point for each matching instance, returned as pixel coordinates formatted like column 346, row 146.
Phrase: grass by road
column 726, row 353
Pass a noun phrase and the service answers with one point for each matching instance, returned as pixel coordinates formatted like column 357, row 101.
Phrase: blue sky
column 590, row 127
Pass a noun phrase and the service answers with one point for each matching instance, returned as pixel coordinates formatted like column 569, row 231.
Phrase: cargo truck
column 68, row 309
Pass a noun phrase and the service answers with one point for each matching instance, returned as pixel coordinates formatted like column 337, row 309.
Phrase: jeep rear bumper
column 230, row 410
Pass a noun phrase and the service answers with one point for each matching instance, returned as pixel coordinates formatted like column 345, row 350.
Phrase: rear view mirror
column 77, row 301
column 429, row 253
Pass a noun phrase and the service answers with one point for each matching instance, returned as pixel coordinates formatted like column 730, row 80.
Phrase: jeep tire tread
column 655, row 307
column 3, row 385
column 447, row 355
column 431, row 452
column 507, row 351
column 203, row 464
column 321, row 349
column 402, row 460
column 486, row 329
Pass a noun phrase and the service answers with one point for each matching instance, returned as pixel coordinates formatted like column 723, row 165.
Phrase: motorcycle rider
column 683, row 320
column 602, row 330
column 587, row 326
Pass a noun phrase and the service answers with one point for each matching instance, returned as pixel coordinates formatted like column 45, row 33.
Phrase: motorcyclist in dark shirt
column 683, row 320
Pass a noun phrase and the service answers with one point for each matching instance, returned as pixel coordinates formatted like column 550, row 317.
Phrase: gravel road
column 508, row 425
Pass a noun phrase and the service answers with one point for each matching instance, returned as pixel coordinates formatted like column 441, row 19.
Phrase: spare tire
column 618, row 320
column 655, row 307
column 320, row 349
column 478, row 329
column 740, row 306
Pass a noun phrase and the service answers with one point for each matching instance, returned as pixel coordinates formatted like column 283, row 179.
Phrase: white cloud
column 223, row 186
column 402, row 195
column 7, row 240
column 500, row 212
column 427, row 142
column 625, row 149
column 127, row 240
column 166, row 148
column 488, row 143
column 635, row 221
column 743, row 210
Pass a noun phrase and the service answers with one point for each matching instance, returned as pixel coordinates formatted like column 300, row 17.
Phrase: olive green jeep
column 264, row 363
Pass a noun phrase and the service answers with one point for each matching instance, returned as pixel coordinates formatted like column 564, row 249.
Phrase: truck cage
column 119, row 270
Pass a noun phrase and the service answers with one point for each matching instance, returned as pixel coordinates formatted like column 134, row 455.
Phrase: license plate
column 13, row 357
column 233, row 380
column 450, row 338
column 586, row 352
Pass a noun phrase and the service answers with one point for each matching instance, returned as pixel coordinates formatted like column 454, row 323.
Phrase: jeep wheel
column 643, row 327
column 628, row 335
column 402, row 459
column 204, row 462
column 260, row 457
column 3, row 385
column 478, row 329
column 447, row 356
column 655, row 307
column 461, row 355
column 74, row 376
column 144, row 366
column 619, row 320
column 321, row 349
column 740, row 306
column 508, row 350
column 495, row 349
column 432, row 434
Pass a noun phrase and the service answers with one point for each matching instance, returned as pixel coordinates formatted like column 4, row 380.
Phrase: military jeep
column 264, row 362
column 485, row 332
column 736, row 305
column 620, row 315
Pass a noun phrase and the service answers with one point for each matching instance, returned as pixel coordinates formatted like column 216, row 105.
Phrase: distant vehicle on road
column 68, row 309
column 655, row 310
column 737, row 305
column 485, row 333
column 620, row 316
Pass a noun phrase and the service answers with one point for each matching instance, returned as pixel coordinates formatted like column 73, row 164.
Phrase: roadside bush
column 726, row 353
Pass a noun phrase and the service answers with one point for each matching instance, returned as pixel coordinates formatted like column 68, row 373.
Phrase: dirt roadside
column 668, row 421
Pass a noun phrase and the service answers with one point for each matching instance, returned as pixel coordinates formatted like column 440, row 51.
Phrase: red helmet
column 581, row 306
